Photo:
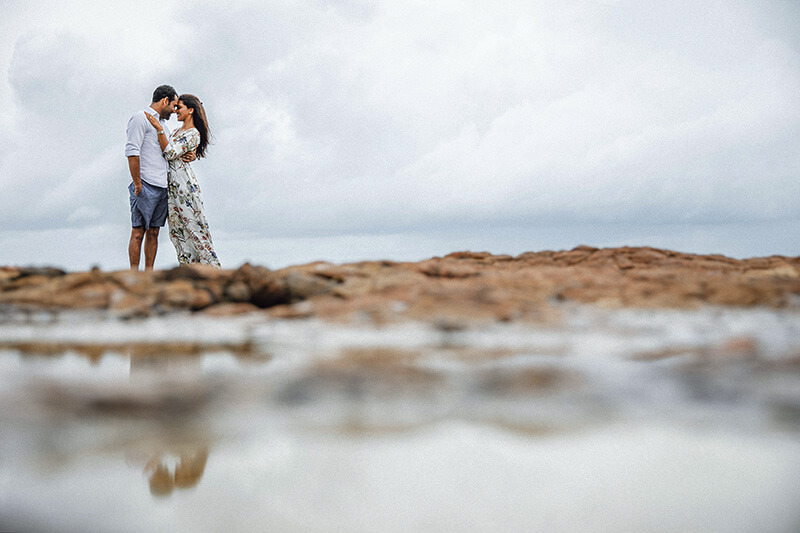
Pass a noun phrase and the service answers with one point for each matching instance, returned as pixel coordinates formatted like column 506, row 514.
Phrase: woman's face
column 182, row 111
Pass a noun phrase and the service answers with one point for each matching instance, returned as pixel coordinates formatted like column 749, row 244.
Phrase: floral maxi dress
column 188, row 229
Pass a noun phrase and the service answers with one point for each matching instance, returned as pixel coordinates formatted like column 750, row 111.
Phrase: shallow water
column 596, row 420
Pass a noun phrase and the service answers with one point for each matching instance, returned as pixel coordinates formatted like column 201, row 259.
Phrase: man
column 148, row 168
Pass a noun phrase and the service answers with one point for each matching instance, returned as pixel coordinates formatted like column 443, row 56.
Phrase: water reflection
column 319, row 429
column 175, row 469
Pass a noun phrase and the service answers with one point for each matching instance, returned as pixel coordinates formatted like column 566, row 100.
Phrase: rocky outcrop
column 459, row 286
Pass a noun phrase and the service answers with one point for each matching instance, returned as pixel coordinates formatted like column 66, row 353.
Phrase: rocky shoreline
column 459, row 287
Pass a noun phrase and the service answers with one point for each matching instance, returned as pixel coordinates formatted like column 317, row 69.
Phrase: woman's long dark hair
column 200, row 121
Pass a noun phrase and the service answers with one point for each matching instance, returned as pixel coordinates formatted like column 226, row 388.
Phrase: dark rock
column 270, row 293
column 48, row 272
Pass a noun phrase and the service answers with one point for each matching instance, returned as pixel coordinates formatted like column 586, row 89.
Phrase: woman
column 188, row 229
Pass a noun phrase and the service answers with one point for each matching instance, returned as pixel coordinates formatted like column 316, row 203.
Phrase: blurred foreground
column 586, row 419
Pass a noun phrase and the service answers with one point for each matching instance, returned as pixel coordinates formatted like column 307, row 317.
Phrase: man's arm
column 133, row 166
column 135, row 136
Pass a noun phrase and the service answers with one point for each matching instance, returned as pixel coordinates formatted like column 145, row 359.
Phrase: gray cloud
column 356, row 117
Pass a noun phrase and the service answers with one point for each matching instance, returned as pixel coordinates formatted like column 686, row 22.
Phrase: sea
column 106, row 246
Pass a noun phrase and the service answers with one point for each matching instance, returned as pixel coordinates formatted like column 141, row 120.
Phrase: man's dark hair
column 164, row 91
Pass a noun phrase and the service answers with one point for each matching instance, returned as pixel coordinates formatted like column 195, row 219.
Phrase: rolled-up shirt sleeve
column 135, row 136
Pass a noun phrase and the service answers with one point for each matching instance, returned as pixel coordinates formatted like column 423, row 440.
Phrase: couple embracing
column 163, row 185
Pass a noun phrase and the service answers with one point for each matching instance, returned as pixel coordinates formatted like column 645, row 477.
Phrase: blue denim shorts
column 149, row 209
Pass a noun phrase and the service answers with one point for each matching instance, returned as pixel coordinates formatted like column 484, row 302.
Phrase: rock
column 201, row 298
column 646, row 256
column 253, row 276
column 88, row 295
column 781, row 270
column 463, row 287
column 624, row 262
column 47, row 272
column 193, row 272
column 575, row 255
column 124, row 304
column 22, row 282
column 449, row 269
column 302, row 285
column 468, row 255
column 238, row 291
column 8, row 274
column 178, row 294
column 270, row 292
column 213, row 288
column 230, row 309
column 136, row 282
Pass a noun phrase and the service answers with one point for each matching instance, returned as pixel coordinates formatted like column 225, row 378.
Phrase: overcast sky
column 402, row 128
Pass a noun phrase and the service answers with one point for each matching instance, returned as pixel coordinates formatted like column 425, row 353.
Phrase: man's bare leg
column 135, row 247
column 150, row 247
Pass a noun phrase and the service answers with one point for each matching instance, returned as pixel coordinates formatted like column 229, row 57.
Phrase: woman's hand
column 153, row 120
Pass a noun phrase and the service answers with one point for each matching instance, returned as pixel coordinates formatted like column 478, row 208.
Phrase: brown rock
column 193, row 272
column 84, row 296
column 468, row 255
column 124, row 304
column 230, row 309
column 301, row 285
column 605, row 256
column 781, row 270
column 449, row 269
column 201, row 298
column 214, row 288
column 8, row 274
column 624, row 262
column 574, row 256
column 646, row 256
column 22, row 282
column 253, row 276
column 463, row 287
column 238, row 291
column 178, row 294
column 136, row 282
column 711, row 263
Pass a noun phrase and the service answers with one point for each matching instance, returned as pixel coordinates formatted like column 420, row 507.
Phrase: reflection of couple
column 163, row 184
column 186, row 471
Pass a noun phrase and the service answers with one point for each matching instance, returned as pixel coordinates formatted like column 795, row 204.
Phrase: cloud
column 356, row 117
column 72, row 74
column 444, row 112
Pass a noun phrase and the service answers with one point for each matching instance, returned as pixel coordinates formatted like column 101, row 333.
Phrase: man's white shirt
column 142, row 140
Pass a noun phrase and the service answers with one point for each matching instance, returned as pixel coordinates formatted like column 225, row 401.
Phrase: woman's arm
column 162, row 136
column 185, row 143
